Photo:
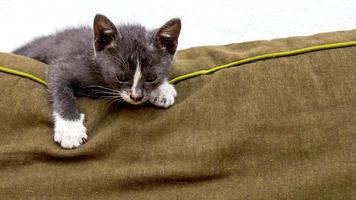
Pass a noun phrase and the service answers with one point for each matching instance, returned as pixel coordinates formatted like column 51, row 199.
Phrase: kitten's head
column 133, row 60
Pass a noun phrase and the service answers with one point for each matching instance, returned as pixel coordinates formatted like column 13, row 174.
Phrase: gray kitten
column 126, row 62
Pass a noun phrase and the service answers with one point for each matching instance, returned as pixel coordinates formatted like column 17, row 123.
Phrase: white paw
column 68, row 133
column 164, row 95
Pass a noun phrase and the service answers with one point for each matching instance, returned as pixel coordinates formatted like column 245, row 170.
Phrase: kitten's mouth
column 133, row 101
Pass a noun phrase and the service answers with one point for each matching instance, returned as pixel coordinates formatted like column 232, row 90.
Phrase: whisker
column 123, row 63
column 100, row 87
column 110, row 95
column 118, row 100
column 115, row 100
column 122, row 59
column 106, row 93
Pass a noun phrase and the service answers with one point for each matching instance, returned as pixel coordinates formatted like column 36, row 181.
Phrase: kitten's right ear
column 105, row 33
column 167, row 35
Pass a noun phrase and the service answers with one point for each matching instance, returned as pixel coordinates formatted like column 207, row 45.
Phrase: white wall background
column 204, row 21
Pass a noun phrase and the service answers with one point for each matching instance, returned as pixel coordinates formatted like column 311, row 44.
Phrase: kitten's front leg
column 69, row 129
column 163, row 95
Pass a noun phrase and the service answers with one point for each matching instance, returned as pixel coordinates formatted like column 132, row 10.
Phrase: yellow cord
column 262, row 57
column 23, row 74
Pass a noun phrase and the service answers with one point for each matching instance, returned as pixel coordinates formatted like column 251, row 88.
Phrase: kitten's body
column 124, row 62
column 61, row 44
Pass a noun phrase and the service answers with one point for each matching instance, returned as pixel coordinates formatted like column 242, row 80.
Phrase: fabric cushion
column 281, row 128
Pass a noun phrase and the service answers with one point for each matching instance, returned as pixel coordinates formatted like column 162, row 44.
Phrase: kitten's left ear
column 167, row 35
column 105, row 33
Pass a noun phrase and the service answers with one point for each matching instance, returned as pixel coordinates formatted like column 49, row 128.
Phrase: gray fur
column 87, row 61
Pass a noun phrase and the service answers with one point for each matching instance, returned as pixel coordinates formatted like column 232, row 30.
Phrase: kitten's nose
column 136, row 97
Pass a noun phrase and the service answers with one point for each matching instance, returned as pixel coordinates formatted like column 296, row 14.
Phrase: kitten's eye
column 151, row 78
column 123, row 78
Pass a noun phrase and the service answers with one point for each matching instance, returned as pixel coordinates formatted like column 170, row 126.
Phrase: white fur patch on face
column 164, row 95
column 69, row 133
column 136, row 78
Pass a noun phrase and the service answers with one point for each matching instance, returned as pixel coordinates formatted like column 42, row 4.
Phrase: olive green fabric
column 282, row 128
